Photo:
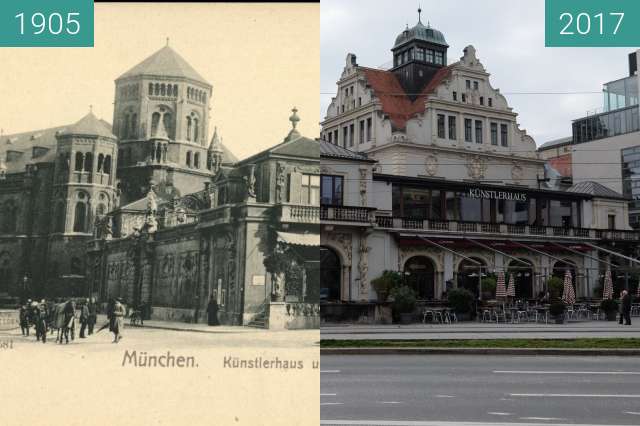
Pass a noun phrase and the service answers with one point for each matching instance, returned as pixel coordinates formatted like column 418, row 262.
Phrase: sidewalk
column 184, row 326
column 474, row 330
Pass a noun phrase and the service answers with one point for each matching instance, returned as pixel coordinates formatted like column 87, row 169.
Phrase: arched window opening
column 100, row 162
column 163, row 89
column 80, row 217
column 195, row 130
column 134, row 126
column 420, row 275
column 156, row 89
column 167, row 120
column 155, row 120
column 88, row 162
column 101, row 210
column 60, row 217
column 150, row 89
column 107, row 165
column 189, row 128
column 188, row 158
column 79, row 161
column 158, row 153
column 196, row 160
column 204, row 97
column 175, row 90
column 523, row 278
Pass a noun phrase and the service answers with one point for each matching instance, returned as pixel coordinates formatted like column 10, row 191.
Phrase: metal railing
column 348, row 214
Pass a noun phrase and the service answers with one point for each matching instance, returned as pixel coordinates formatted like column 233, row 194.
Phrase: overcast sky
column 509, row 39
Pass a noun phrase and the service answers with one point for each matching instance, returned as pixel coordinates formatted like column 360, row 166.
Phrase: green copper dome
column 420, row 32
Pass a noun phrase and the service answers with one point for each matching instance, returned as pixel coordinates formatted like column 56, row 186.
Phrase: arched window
column 88, row 162
column 125, row 126
column 155, row 120
column 175, row 90
column 189, row 129
column 101, row 210
column 134, row 126
column 163, row 89
column 106, row 167
column 204, row 97
column 159, row 153
column 188, row 158
column 195, row 130
column 167, row 120
column 100, row 162
column 80, row 217
column 196, row 160
column 156, row 90
column 150, row 89
column 79, row 161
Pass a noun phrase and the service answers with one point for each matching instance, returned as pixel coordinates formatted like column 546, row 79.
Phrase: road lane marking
column 633, row 413
column 616, row 373
column 327, row 394
column 572, row 395
column 331, row 403
column 445, row 396
column 389, row 402
column 493, row 413
column 329, row 371
column 542, row 418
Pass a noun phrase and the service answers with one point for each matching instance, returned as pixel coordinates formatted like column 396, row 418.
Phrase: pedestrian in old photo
column 109, row 312
column 68, row 328
column 93, row 315
column 212, row 311
column 118, row 320
column 40, row 319
column 24, row 320
column 625, row 307
column 84, row 318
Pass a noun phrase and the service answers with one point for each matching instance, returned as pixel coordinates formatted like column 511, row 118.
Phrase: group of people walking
column 46, row 317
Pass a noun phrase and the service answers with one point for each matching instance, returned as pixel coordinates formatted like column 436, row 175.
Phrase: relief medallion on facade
column 517, row 172
column 477, row 167
column 431, row 165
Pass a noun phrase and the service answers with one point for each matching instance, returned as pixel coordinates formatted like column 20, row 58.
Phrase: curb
column 193, row 330
column 479, row 351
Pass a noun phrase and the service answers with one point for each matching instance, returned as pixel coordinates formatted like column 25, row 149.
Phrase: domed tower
column 418, row 53
column 84, row 181
column 161, row 117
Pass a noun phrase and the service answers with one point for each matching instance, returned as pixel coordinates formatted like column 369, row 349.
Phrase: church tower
column 418, row 53
column 84, row 176
column 161, row 119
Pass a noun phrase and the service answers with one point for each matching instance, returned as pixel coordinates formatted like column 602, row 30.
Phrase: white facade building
column 426, row 171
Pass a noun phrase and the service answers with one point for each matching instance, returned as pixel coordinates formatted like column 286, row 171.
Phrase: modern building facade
column 445, row 187
column 602, row 144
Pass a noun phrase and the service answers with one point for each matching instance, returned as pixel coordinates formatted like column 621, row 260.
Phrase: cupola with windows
column 418, row 53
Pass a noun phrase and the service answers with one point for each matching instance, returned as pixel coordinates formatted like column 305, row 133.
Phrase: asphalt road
column 479, row 390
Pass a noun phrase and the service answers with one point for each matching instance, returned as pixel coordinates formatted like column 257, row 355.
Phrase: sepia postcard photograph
column 159, row 219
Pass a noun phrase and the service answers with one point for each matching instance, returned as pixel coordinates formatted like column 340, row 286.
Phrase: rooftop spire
column 293, row 134
column 419, row 12
column 167, row 41
column 90, row 109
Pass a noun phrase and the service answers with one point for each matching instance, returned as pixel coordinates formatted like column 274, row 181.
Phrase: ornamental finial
column 294, row 118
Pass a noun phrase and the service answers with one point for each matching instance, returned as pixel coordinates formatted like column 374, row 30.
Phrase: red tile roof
column 395, row 102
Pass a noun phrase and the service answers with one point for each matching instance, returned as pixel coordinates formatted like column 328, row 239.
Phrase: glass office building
column 631, row 182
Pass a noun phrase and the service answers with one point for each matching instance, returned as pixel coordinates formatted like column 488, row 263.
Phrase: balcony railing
column 459, row 227
column 299, row 213
column 348, row 214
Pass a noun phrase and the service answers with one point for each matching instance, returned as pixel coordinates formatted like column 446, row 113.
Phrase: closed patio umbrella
column 568, row 293
column 607, row 292
column 501, row 291
column 511, row 288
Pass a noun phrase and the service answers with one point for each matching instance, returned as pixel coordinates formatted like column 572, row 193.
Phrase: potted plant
column 489, row 288
column 404, row 303
column 555, row 285
column 556, row 310
column 610, row 309
column 461, row 301
column 384, row 283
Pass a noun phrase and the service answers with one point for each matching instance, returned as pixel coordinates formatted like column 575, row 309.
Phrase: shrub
column 609, row 305
column 555, row 285
column 489, row 285
column 460, row 300
column 404, row 299
column 556, row 309
column 385, row 282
